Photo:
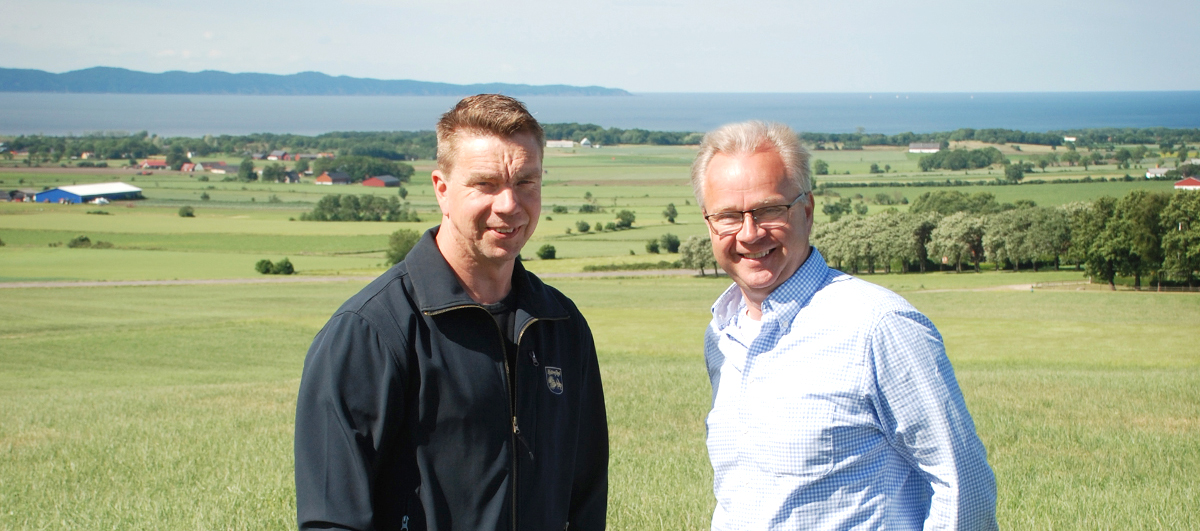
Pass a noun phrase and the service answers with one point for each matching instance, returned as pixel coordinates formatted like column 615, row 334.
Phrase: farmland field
column 172, row 406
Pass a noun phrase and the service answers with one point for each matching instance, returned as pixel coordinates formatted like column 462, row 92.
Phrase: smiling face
column 490, row 202
column 758, row 259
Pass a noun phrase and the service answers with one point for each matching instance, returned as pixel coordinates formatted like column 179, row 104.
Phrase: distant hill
column 107, row 80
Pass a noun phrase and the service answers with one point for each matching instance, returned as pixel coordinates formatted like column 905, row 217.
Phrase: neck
column 753, row 308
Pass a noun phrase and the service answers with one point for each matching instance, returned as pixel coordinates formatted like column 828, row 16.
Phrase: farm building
column 188, row 166
column 220, row 167
column 333, row 177
column 88, row 193
column 382, row 180
column 1156, row 172
column 154, row 164
column 278, row 154
column 291, row 177
column 924, row 147
column 1191, row 183
column 560, row 143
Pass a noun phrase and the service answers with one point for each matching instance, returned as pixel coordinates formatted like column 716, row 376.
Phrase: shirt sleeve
column 349, row 384
column 923, row 414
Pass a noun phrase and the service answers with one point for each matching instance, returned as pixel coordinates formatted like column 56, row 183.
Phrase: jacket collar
column 437, row 288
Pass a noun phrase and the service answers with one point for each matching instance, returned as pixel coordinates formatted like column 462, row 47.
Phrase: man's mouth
column 504, row 230
column 755, row 256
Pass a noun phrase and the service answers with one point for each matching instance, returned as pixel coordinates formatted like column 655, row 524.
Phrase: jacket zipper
column 508, row 385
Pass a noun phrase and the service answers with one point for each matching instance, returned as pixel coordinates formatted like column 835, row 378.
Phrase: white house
column 924, row 147
column 1068, row 139
column 1156, row 172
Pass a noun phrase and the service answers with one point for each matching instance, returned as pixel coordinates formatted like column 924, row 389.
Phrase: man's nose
column 750, row 230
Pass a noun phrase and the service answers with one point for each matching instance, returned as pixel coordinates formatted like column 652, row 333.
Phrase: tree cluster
column 365, row 207
column 1143, row 234
column 962, row 159
column 363, row 167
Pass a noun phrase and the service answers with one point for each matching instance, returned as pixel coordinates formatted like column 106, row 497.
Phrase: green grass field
column 170, row 407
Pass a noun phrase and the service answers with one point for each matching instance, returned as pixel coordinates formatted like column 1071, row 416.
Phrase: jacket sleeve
column 351, row 381
column 925, row 419
column 589, row 491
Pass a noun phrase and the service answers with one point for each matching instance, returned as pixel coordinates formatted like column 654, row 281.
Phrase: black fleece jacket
column 404, row 421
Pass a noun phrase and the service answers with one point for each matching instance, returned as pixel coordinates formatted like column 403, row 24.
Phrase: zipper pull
column 404, row 524
column 533, row 356
column 516, row 430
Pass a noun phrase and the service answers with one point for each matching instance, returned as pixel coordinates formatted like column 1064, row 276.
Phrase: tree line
column 410, row 145
column 364, row 207
column 1144, row 235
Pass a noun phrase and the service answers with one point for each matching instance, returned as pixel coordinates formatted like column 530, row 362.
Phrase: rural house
column 291, row 177
column 188, row 166
column 1156, row 172
column 333, row 177
column 924, row 147
column 220, row 167
column 154, row 164
column 381, row 181
column 1191, row 183
column 278, row 154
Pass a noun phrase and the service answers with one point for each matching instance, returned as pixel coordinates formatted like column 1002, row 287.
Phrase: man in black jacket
column 457, row 391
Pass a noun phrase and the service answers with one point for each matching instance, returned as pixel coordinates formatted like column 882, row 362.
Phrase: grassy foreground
column 171, row 406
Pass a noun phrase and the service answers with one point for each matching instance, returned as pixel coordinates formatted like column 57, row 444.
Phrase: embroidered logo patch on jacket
column 554, row 380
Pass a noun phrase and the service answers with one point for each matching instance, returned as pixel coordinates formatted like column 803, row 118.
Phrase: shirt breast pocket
column 794, row 436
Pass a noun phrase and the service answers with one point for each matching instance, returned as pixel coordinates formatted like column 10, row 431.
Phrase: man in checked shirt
column 834, row 405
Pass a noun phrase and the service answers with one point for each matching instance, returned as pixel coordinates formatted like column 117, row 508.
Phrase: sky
column 638, row 45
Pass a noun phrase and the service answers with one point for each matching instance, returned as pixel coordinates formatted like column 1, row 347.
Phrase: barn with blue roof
column 89, row 193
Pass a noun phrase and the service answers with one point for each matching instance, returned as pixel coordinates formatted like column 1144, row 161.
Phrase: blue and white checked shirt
column 840, row 412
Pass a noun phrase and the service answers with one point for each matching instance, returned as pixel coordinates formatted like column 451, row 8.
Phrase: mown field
column 164, row 407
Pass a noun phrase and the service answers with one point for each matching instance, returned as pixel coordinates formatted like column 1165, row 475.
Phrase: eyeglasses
column 768, row 217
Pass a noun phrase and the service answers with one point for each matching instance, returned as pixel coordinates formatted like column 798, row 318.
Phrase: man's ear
column 440, row 185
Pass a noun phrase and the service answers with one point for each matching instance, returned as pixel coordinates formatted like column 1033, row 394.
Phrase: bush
column 590, row 209
column 582, row 226
column 204, row 196
column 263, row 266
column 610, row 226
column 79, row 241
column 102, row 245
column 399, row 244
column 187, row 212
column 546, row 252
column 559, row 209
column 283, row 267
column 202, row 178
column 669, row 243
column 99, row 212
column 652, row 246
column 625, row 219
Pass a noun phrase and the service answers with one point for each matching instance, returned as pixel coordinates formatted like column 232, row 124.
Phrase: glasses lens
column 771, row 214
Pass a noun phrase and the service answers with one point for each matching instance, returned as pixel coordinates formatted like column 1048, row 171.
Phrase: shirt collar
column 784, row 302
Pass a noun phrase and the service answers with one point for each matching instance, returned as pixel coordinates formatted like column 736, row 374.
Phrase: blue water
column 889, row 113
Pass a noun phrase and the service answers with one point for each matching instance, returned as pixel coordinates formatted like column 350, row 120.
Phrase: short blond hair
column 484, row 114
column 744, row 138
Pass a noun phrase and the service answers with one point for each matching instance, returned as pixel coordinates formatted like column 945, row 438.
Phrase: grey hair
column 744, row 138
